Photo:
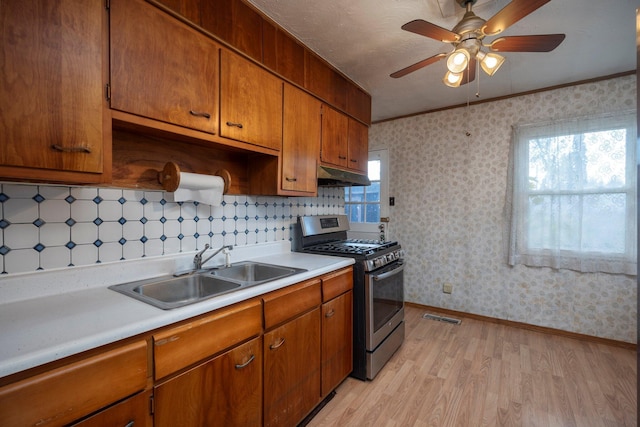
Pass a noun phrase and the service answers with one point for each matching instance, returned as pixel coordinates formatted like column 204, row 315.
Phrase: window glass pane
column 603, row 225
column 373, row 192
column 373, row 213
column 605, row 154
column 374, row 170
column 356, row 213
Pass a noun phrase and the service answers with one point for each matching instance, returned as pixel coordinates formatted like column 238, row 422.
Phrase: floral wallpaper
column 448, row 174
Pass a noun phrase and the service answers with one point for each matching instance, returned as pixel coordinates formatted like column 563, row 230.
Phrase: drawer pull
column 238, row 125
column 354, row 161
column 80, row 149
column 245, row 364
column 342, row 157
column 291, row 179
column 276, row 345
column 130, row 424
column 200, row 114
column 330, row 313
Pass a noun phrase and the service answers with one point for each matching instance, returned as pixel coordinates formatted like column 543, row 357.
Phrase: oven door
column 384, row 302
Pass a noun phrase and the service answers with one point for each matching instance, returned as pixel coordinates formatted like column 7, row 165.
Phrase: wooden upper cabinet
column 52, row 98
column 300, row 141
column 358, row 143
column 234, row 22
column 334, row 148
column 325, row 82
column 190, row 9
column 250, row 102
column 359, row 104
column 161, row 68
column 282, row 53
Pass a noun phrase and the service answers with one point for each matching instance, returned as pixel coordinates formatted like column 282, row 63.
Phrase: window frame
column 372, row 227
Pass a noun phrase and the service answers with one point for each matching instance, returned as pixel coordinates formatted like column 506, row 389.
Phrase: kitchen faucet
column 198, row 262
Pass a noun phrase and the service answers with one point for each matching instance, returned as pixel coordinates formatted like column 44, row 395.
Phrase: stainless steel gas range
column 378, row 288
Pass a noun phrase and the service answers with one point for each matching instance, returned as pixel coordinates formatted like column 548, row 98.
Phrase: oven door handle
column 388, row 273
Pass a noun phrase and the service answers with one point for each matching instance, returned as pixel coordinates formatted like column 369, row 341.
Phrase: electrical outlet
column 447, row 288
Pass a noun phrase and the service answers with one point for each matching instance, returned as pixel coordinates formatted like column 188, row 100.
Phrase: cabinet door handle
column 81, row 149
column 342, row 157
column 276, row 345
column 354, row 161
column 130, row 424
column 245, row 364
column 291, row 179
column 238, row 125
column 200, row 114
column 330, row 313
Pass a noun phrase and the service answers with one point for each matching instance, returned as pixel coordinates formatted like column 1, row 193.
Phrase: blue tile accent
column 39, row 247
column 122, row 200
column 143, row 201
column 38, row 198
column 69, row 199
column 196, row 235
column 70, row 222
column 97, row 243
column 196, row 219
column 144, row 239
column 70, row 245
column 97, row 221
column 122, row 221
column 180, row 219
column 163, row 237
column 3, row 197
column 163, row 202
column 39, row 222
column 163, row 220
column 97, row 200
column 122, row 241
column 4, row 224
column 180, row 236
column 4, row 250
column 143, row 220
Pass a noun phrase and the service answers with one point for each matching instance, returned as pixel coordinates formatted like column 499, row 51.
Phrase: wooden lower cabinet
column 292, row 370
column 337, row 341
column 132, row 412
column 224, row 391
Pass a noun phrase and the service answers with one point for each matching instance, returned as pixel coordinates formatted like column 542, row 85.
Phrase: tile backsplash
column 45, row 227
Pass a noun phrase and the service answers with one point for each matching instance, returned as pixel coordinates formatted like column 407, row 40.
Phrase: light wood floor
column 485, row 374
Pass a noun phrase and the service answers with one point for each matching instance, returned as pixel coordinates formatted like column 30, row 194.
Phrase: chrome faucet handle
column 197, row 259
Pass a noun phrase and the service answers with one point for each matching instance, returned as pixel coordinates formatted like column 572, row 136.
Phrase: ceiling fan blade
column 510, row 14
column 537, row 43
column 469, row 73
column 433, row 31
column 418, row 65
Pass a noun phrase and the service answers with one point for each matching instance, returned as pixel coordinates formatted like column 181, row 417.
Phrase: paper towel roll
column 195, row 187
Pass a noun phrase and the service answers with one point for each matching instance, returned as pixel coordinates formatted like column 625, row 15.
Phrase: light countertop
column 49, row 315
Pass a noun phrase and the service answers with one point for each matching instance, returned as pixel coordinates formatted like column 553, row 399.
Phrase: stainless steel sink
column 172, row 292
column 254, row 272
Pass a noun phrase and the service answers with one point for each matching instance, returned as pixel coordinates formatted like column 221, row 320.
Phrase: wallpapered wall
column 449, row 215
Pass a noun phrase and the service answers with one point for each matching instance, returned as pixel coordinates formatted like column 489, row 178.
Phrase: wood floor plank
column 487, row 374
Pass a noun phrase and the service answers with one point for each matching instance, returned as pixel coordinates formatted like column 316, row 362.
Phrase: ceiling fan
column 467, row 40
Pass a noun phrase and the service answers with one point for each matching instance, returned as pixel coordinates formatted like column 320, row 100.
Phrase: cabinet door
column 225, row 391
column 334, row 137
column 51, row 86
column 292, row 370
column 161, row 68
column 300, row 141
column 337, row 341
column 358, row 146
column 134, row 411
column 250, row 102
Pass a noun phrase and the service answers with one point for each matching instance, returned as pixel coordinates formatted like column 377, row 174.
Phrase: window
column 574, row 194
column 365, row 206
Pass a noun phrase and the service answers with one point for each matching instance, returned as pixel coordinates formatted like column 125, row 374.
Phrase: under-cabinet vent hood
column 330, row 177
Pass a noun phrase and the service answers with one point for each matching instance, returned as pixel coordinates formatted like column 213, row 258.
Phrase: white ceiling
column 363, row 39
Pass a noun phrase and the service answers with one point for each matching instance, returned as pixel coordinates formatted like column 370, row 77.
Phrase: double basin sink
column 172, row 292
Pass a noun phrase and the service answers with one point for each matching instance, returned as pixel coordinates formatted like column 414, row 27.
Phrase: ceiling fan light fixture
column 458, row 60
column 490, row 62
column 452, row 79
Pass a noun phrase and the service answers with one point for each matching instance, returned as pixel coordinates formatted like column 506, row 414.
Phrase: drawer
column 69, row 392
column 286, row 303
column 337, row 283
column 183, row 345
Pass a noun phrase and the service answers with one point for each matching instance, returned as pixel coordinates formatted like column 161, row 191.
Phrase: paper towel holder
column 169, row 177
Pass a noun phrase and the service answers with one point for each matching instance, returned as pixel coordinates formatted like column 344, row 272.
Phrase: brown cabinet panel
column 324, row 82
column 337, row 341
column 52, row 87
column 133, row 411
column 358, row 146
column 225, row 391
column 334, row 149
column 292, row 370
column 190, row 9
column 300, row 141
column 236, row 23
column 282, row 53
column 72, row 391
column 336, row 283
column 178, row 347
column 161, row 68
column 359, row 104
column 250, row 102
column 286, row 303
